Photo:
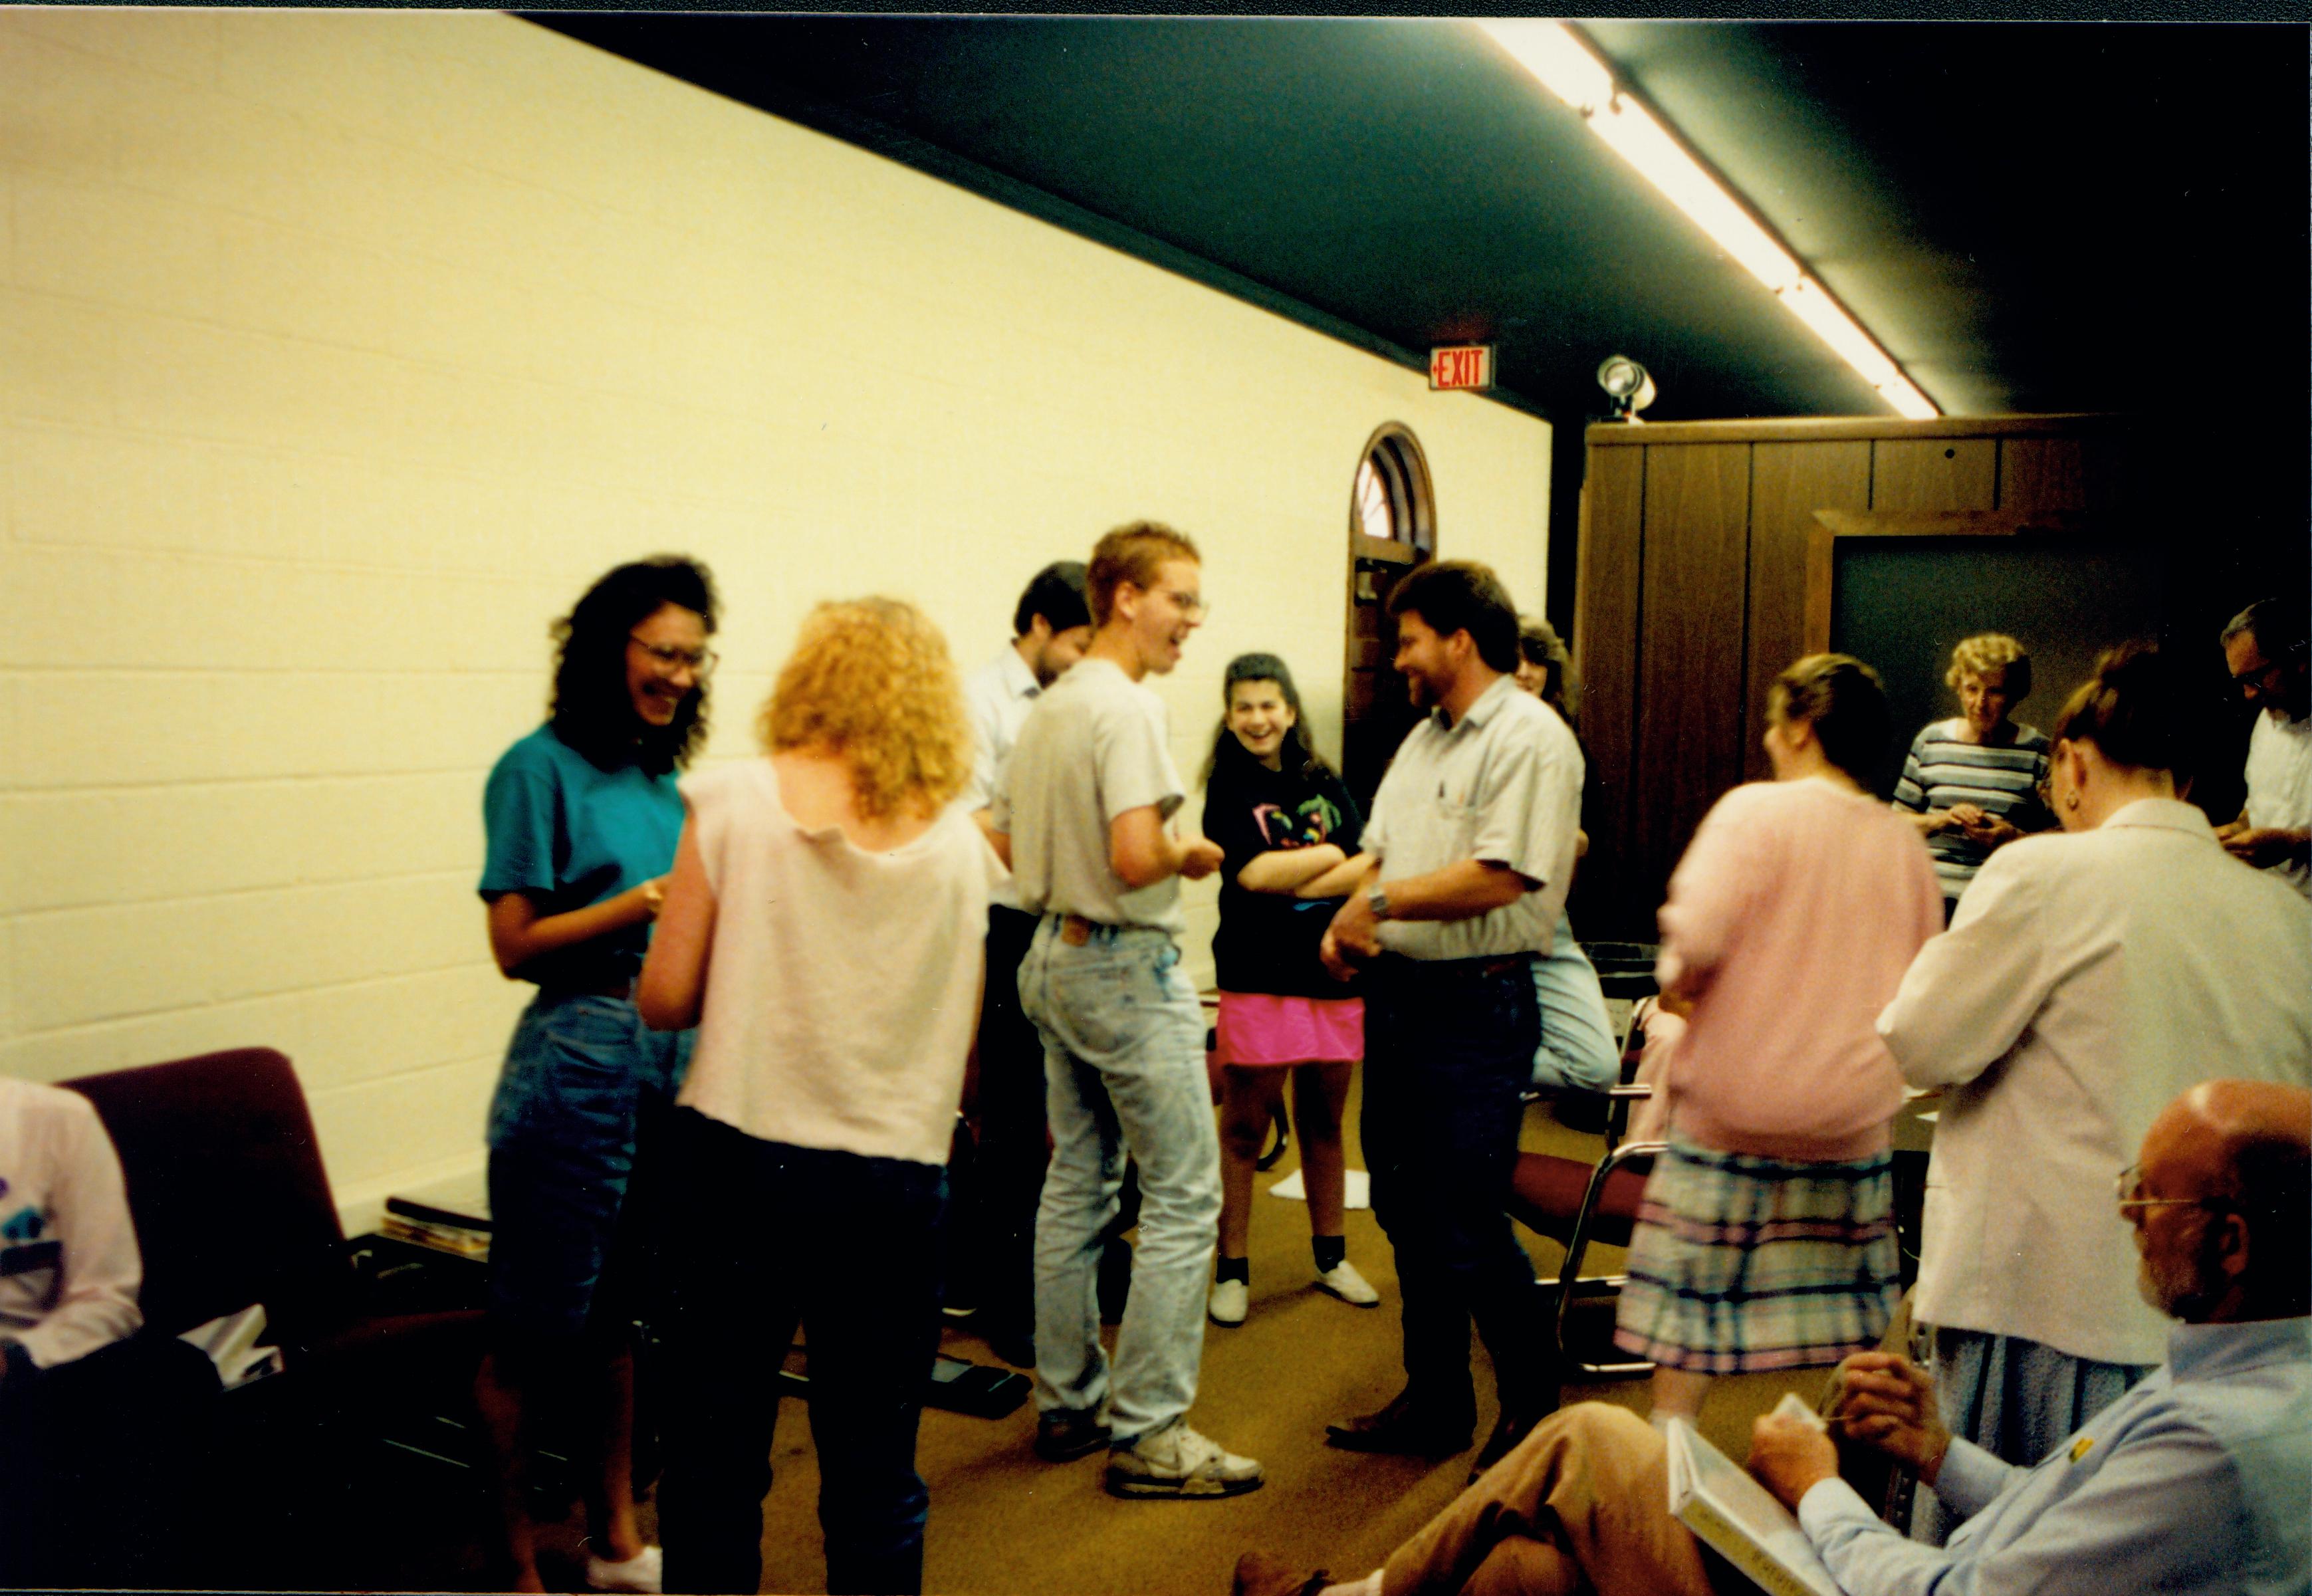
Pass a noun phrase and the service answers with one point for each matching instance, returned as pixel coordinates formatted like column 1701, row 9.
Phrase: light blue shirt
column 2198, row 1480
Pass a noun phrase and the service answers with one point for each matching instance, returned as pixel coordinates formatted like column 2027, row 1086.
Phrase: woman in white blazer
column 2088, row 977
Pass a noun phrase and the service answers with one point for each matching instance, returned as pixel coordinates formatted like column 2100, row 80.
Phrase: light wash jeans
column 1123, row 1071
column 1576, row 1034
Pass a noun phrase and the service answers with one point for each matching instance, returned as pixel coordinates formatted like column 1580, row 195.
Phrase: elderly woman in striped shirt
column 1972, row 784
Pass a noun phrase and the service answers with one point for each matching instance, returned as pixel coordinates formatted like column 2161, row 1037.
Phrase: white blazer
column 2086, row 980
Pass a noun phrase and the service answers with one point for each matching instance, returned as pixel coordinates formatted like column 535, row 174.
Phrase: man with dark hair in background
column 995, row 1239
column 2264, row 649
column 1473, row 834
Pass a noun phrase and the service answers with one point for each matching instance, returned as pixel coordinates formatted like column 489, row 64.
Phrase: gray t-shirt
column 1502, row 784
column 1095, row 746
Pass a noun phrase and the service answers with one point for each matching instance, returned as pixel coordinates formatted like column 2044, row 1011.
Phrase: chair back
column 225, row 1185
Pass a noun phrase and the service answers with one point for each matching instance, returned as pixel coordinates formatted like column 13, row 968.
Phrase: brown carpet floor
column 1003, row 1523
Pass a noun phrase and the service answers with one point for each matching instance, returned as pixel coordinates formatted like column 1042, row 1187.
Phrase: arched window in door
column 1392, row 528
column 1392, row 502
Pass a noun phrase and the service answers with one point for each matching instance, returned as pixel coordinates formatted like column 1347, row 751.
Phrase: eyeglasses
column 699, row 661
column 1190, row 605
column 2128, row 1189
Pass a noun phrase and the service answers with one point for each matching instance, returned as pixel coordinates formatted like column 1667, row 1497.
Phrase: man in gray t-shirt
column 1473, row 834
column 1080, row 815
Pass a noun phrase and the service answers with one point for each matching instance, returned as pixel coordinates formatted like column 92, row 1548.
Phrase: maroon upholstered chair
column 233, row 1207
column 1579, row 1204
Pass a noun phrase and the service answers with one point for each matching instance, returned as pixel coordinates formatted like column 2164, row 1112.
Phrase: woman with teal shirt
column 582, row 816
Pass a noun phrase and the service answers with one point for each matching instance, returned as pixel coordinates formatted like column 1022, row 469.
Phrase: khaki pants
column 1581, row 1504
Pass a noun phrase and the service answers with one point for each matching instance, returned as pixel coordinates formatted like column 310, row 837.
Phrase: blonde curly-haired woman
column 824, row 927
column 1971, row 784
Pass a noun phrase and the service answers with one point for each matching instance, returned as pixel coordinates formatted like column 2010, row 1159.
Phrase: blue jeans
column 771, row 1235
column 579, row 1073
column 1124, row 1070
column 1577, row 1032
column 1448, row 1048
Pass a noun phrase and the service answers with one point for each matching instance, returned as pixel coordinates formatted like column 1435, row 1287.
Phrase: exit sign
column 1463, row 365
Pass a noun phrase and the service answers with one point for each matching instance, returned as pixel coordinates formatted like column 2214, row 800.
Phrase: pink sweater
column 1789, row 923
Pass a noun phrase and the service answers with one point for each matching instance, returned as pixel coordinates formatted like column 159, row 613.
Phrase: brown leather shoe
column 1401, row 1428
column 1508, row 1430
column 1259, row 1574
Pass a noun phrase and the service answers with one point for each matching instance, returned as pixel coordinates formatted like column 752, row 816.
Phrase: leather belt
column 621, row 988
column 1075, row 930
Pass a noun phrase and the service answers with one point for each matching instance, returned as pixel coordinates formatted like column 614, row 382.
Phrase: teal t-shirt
column 569, row 833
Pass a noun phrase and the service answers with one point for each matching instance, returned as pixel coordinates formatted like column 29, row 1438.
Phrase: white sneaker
column 643, row 1573
column 1178, row 1462
column 1230, row 1302
column 1345, row 1283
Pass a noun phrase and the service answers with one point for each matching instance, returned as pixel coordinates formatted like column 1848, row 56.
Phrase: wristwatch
column 1377, row 900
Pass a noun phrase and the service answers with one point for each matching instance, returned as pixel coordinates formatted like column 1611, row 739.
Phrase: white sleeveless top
column 842, row 985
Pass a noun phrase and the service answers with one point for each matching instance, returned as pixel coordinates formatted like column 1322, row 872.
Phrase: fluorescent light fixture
column 1568, row 69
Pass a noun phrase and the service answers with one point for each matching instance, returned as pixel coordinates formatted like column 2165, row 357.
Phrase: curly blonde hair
column 1989, row 653
column 871, row 680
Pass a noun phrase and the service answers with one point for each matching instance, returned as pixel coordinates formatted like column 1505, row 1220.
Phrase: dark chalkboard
column 1901, row 603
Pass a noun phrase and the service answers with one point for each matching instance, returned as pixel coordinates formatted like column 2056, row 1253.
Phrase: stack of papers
column 1739, row 1520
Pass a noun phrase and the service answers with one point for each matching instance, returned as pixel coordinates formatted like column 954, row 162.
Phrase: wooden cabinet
column 1704, row 550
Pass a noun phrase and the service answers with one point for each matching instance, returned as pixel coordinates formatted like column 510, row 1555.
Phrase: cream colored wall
column 339, row 351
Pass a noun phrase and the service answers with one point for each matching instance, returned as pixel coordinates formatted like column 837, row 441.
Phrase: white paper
column 1356, row 1186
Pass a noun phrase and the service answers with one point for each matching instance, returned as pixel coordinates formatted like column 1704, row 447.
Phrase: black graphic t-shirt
column 1267, row 940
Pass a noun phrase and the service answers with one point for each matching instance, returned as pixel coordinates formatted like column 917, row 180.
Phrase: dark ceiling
column 2034, row 217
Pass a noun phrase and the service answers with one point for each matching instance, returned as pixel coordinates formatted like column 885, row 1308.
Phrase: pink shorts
column 1258, row 1029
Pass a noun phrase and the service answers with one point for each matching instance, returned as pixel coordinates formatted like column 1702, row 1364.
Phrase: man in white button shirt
column 996, row 1206
column 1473, row 834
column 2264, row 648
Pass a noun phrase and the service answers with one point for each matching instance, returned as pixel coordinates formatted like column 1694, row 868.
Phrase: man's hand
column 1199, row 857
column 1886, row 1401
column 1791, row 1456
column 2263, row 846
column 1354, row 935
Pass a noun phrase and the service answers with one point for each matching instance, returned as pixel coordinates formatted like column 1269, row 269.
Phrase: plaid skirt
column 1740, row 1264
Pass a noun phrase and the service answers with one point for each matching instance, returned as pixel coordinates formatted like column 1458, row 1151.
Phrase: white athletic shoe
column 640, row 1574
column 1178, row 1463
column 1345, row 1283
column 1230, row 1299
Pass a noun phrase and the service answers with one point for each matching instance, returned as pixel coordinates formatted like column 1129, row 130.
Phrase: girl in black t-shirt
column 1288, row 831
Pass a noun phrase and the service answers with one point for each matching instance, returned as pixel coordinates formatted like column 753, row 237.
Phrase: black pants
column 766, row 1236
column 1448, row 1051
column 994, row 1243
column 99, row 1458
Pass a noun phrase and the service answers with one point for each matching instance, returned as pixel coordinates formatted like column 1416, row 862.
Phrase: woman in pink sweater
column 1767, row 1239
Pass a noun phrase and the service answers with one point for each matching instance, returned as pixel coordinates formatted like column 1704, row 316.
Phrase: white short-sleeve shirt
column 843, row 987
column 1096, row 745
column 996, row 698
column 1502, row 784
column 2279, row 784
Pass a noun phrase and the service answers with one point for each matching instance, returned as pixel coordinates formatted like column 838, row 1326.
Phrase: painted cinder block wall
column 339, row 351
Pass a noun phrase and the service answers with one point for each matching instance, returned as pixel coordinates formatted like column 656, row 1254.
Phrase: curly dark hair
column 591, row 709
column 1462, row 596
column 1297, row 754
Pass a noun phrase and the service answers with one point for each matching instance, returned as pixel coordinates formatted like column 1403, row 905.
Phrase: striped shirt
column 2002, row 779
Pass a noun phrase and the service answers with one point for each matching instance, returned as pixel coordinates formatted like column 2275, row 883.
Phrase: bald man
column 2199, row 1480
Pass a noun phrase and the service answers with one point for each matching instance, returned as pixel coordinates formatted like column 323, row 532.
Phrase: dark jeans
column 994, row 1239
column 770, row 1236
column 1448, row 1050
column 100, row 1462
